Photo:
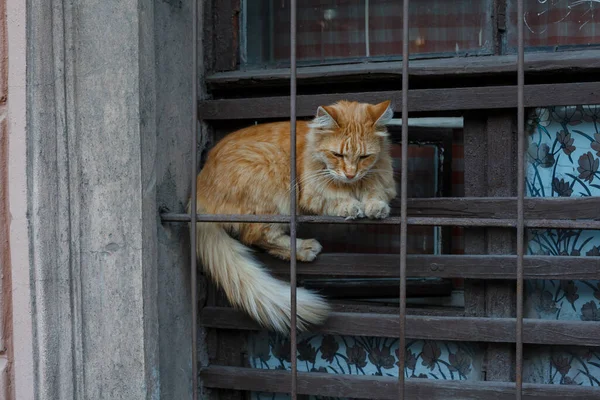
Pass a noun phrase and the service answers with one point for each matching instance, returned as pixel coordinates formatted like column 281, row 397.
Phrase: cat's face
column 349, row 138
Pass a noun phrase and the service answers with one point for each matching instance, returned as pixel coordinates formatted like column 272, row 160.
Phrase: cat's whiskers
column 323, row 185
column 314, row 176
column 309, row 178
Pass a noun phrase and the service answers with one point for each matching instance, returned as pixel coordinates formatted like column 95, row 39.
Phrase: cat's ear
column 381, row 113
column 325, row 119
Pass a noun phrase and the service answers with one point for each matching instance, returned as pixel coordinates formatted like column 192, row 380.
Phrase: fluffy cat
column 344, row 168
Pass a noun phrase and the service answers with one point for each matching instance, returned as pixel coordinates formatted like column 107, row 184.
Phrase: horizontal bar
column 431, row 122
column 541, row 62
column 446, row 99
column 496, row 330
column 504, row 207
column 383, row 387
column 422, row 221
column 576, row 208
column 442, row 266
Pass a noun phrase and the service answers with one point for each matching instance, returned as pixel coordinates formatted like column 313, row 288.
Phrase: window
column 462, row 207
column 352, row 30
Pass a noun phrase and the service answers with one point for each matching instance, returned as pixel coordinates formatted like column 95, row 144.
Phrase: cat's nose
column 349, row 176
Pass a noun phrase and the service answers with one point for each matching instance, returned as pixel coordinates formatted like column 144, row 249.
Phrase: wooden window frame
column 489, row 273
column 489, row 109
column 223, row 70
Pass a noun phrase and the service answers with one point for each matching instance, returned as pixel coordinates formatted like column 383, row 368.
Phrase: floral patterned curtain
column 563, row 161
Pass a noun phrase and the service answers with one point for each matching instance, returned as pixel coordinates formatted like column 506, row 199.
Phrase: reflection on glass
column 552, row 23
column 340, row 30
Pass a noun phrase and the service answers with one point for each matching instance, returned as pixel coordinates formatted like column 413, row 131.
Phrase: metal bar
column 193, row 260
column 520, row 199
column 420, row 221
column 367, row 39
column 293, row 331
column 403, row 204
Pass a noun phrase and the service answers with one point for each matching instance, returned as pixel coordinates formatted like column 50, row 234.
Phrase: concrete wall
column 100, row 137
column 5, row 281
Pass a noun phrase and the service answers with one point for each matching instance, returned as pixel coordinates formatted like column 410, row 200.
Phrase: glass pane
column 423, row 182
column 346, row 30
column 556, row 23
column 561, row 365
column 366, row 356
column 562, row 161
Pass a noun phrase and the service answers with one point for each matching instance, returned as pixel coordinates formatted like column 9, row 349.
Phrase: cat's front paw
column 308, row 250
column 377, row 209
column 351, row 210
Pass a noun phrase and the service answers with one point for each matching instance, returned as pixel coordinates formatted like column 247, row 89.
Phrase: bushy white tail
column 249, row 286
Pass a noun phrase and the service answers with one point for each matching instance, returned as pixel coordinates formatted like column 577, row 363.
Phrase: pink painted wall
column 16, row 338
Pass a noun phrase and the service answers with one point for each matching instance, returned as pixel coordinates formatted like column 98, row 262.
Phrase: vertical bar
column 403, row 200
column 367, row 39
column 193, row 260
column 293, row 343
column 520, row 199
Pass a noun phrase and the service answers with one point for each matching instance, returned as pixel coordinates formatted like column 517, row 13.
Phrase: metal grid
column 519, row 223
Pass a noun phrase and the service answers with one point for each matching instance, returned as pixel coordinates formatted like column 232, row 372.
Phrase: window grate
column 516, row 212
column 193, row 260
column 426, row 221
column 293, row 205
column 403, row 202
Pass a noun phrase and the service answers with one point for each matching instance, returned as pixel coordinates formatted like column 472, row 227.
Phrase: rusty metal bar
column 293, row 205
column 403, row 203
column 520, row 199
column 422, row 221
column 193, row 260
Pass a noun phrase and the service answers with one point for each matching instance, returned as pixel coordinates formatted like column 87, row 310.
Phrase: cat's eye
column 337, row 154
column 365, row 156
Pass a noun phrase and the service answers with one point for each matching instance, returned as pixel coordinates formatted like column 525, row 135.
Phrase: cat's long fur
column 344, row 169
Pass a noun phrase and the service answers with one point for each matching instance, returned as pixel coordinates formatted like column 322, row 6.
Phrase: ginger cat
column 344, row 168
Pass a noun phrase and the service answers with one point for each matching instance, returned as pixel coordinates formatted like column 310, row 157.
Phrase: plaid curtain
column 330, row 30
column 337, row 29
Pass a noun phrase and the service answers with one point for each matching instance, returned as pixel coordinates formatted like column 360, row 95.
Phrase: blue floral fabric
column 563, row 161
column 363, row 356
